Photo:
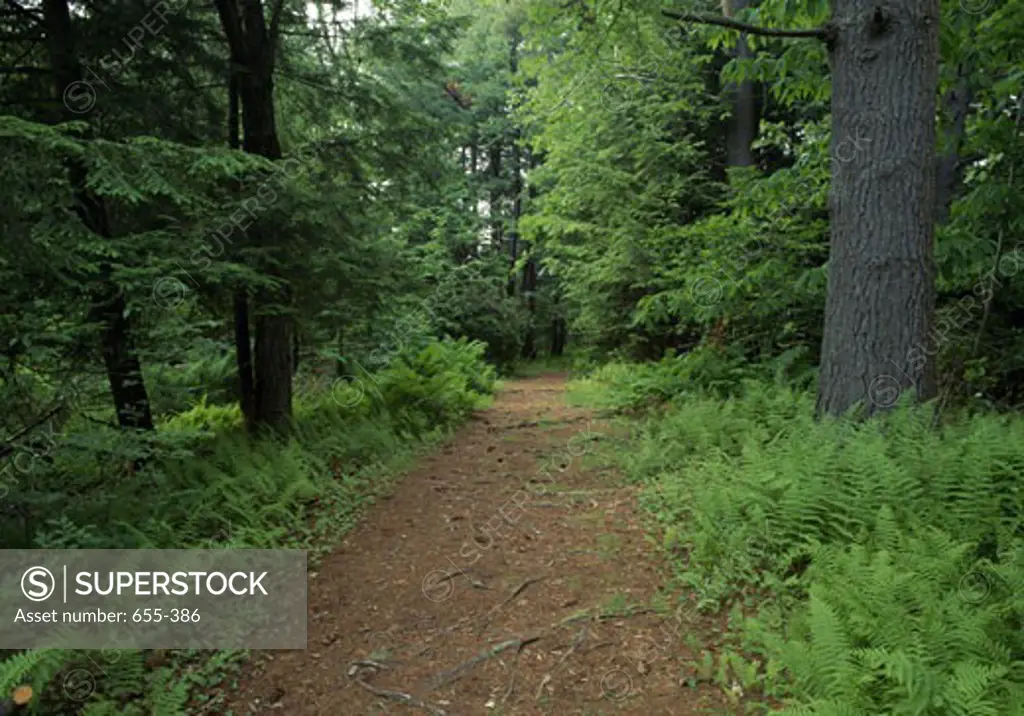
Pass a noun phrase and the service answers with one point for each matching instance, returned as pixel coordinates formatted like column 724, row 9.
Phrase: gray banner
column 153, row 599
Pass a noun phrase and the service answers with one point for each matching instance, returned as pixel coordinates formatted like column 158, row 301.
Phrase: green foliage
column 218, row 488
column 885, row 556
column 706, row 370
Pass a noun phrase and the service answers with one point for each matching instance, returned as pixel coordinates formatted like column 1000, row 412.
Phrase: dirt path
column 488, row 584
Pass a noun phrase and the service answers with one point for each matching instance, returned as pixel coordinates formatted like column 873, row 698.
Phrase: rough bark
column 109, row 307
column 881, row 284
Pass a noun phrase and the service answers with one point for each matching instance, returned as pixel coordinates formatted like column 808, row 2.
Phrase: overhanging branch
column 819, row 33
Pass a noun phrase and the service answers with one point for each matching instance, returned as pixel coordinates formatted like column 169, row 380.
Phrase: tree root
column 403, row 698
column 451, row 675
column 515, row 593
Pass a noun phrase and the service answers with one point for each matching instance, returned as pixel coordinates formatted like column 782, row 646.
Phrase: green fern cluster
column 888, row 555
column 706, row 370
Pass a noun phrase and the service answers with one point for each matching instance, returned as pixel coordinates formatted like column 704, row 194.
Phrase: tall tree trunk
column 494, row 198
column 558, row 331
column 744, row 121
column 108, row 308
column 243, row 340
column 530, row 291
column 252, row 45
column 517, row 170
column 517, row 208
column 881, row 284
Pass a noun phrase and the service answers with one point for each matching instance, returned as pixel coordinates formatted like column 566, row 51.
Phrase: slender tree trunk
column 558, row 331
column 744, row 122
column 243, row 340
column 494, row 210
column 949, row 166
column 109, row 308
column 530, row 291
column 881, row 284
column 517, row 171
column 243, row 358
column 529, row 287
column 517, row 208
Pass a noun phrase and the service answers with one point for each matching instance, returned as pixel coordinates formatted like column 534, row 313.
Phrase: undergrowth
column 884, row 560
column 220, row 489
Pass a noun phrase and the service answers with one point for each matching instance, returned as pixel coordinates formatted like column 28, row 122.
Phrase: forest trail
column 548, row 611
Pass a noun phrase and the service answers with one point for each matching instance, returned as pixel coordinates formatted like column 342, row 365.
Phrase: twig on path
column 540, row 687
column 447, row 677
column 403, row 698
column 367, row 664
column 515, row 593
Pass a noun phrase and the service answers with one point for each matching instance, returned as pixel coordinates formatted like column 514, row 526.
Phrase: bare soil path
column 507, row 574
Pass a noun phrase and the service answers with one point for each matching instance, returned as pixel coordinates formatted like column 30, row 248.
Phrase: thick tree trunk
column 109, row 307
column 273, row 406
column 744, row 122
column 881, row 284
